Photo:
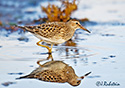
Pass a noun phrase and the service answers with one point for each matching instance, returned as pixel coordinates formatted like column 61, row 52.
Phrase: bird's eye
column 76, row 22
column 78, row 82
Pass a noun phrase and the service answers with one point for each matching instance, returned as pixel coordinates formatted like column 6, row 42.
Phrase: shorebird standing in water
column 54, row 32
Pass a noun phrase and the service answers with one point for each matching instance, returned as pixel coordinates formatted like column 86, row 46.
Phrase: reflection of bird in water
column 54, row 32
column 56, row 71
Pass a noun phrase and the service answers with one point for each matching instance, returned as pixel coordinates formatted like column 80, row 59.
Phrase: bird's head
column 74, row 24
column 74, row 82
column 77, row 80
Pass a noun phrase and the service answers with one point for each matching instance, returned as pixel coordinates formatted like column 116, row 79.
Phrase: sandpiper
column 54, row 32
column 56, row 71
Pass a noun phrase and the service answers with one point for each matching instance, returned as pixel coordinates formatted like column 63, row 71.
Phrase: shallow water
column 101, row 52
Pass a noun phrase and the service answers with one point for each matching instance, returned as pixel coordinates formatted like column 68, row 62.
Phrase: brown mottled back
column 55, row 71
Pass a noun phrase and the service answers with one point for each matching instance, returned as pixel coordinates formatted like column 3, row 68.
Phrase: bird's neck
column 69, row 32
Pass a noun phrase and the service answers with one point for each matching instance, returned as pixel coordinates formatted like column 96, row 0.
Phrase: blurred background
column 101, row 52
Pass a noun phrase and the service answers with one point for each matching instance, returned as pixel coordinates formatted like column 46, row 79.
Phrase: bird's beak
column 84, row 28
column 82, row 77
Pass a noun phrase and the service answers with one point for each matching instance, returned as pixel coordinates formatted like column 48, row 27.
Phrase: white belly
column 52, row 40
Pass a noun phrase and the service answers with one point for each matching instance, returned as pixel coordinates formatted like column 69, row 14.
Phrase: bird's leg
column 49, row 49
column 50, row 56
column 38, row 62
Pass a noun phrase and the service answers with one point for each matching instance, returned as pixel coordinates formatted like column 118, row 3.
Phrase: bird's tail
column 22, row 77
column 27, row 76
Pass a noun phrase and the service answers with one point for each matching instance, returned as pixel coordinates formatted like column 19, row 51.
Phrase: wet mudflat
column 101, row 52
